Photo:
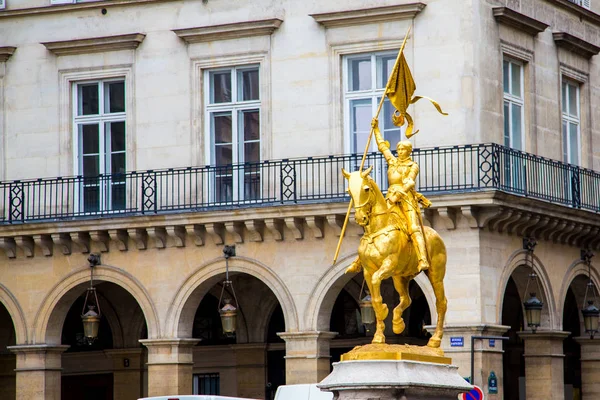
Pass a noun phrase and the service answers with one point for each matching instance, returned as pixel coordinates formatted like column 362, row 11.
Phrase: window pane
column 573, row 144
column 114, row 93
column 506, row 124
column 248, row 85
column 223, row 155
column 91, row 165
column 221, row 124
column 564, row 97
column 118, row 196
column 505, row 76
column 359, row 74
column 385, row 64
column 224, row 190
column 117, row 162
column 360, row 117
column 87, row 102
column 252, row 152
column 515, row 80
column 517, row 141
column 251, row 127
column 89, row 138
column 91, row 198
column 573, row 106
column 565, row 136
column 251, row 186
column 220, row 87
column 117, row 135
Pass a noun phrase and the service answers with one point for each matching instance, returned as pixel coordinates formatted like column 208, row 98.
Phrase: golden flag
column 400, row 89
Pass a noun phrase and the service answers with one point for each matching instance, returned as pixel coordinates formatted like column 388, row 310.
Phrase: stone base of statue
column 398, row 374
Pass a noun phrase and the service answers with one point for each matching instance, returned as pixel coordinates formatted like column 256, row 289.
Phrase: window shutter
column 62, row 1
column 586, row 4
column 2, row 4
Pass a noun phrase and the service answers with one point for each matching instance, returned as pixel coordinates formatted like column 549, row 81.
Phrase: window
column 206, row 384
column 366, row 76
column 570, row 121
column 99, row 125
column 513, row 104
column 583, row 3
column 233, row 122
column 2, row 4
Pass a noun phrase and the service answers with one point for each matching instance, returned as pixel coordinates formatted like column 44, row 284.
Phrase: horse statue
column 385, row 251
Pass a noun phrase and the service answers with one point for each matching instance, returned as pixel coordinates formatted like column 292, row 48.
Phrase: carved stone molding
column 102, row 239
column 45, row 243
column 228, row 31
column 315, row 224
column 256, row 230
column 26, row 244
column 6, row 52
column 275, row 227
column 575, row 44
column 296, row 226
column 9, row 246
column 63, row 240
column 120, row 237
column 217, row 232
column 158, row 236
column 139, row 236
column 336, row 222
column 519, row 21
column 177, row 234
column 236, row 230
column 197, row 233
column 95, row 45
column 368, row 15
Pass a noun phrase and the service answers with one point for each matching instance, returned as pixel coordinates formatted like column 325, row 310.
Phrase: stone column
column 486, row 357
column 251, row 371
column 170, row 364
column 38, row 371
column 544, row 365
column 127, row 373
column 590, row 367
column 307, row 358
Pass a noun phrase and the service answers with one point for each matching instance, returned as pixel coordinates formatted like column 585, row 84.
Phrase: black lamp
column 533, row 306
column 91, row 318
column 591, row 313
column 367, row 313
column 228, row 312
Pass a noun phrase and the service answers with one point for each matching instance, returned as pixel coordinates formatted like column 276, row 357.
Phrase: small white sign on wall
column 2, row 4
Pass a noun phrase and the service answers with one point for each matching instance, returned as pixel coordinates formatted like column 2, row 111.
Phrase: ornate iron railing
column 454, row 169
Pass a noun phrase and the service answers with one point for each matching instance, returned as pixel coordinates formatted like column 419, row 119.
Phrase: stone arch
column 324, row 294
column 187, row 298
column 49, row 319
column 517, row 259
column 16, row 313
column 577, row 268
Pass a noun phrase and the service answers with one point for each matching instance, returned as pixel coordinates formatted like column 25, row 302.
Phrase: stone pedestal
column 544, row 365
column 394, row 380
column 590, row 367
column 127, row 373
column 307, row 358
column 170, row 365
column 38, row 371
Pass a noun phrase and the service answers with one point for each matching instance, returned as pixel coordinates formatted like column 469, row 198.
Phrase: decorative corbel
column 486, row 215
column 158, row 235
column 177, row 233
column 26, row 244
column 335, row 222
column 82, row 239
column 579, row 237
column 469, row 214
column 504, row 225
column 275, row 226
column 575, row 232
column 545, row 231
column 64, row 241
column 255, row 229
column 197, row 233
column 216, row 232
column 591, row 236
column 45, row 243
column 532, row 220
column 102, row 238
column 551, row 234
column 534, row 230
column 9, row 246
column 120, row 237
column 139, row 236
column 315, row 224
column 448, row 217
column 236, row 230
column 296, row 226
column 565, row 232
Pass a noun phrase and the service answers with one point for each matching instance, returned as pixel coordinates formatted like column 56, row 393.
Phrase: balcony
column 443, row 170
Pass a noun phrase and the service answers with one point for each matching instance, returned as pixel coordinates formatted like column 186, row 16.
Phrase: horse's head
column 361, row 190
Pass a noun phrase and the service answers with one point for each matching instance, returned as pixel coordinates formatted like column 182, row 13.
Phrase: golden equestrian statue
column 395, row 244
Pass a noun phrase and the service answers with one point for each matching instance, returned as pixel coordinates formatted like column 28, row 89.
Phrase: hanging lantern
column 91, row 318
column 533, row 312
column 228, row 312
column 591, row 313
column 367, row 312
column 91, row 324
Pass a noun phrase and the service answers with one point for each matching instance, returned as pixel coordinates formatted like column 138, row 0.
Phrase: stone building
column 153, row 132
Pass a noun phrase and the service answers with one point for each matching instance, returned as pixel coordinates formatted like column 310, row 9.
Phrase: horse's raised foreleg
column 401, row 285
column 441, row 306
column 381, row 309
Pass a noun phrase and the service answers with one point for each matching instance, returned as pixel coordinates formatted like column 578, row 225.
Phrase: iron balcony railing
column 454, row 169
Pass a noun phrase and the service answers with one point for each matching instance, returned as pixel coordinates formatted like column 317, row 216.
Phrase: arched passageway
column 7, row 359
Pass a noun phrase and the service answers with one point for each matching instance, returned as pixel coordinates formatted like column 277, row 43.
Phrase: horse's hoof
column 435, row 343
column 398, row 326
column 378, row 339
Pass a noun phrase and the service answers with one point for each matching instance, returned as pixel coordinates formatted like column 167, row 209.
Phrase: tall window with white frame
column 570, row 122
column 99, row 125
column 513, row 104
column 232, row 115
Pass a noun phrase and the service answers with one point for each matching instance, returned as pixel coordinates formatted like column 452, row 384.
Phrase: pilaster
column 544, row 369
column 170, row 363
column 307, row 358
column 127, row 373
column 251, row 364
column 38, row 371
column 590, row 367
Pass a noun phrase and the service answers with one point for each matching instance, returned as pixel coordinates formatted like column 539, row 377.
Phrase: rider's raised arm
column 382, row 145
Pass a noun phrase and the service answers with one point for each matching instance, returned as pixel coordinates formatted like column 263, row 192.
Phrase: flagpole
column 364, row 157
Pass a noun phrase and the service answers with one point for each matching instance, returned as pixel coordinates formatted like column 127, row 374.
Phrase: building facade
column 154, row 132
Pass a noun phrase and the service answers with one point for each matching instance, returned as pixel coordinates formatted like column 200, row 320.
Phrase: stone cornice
column 519, row 21
column 575, row 44
column 69, row 8
column 577, row 10
column 6, row 52
column 228, row 31
column 95, row 45
column 368, row 15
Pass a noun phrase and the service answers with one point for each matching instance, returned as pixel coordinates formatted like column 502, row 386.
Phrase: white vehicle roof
column 194, row 397
column 302, row 392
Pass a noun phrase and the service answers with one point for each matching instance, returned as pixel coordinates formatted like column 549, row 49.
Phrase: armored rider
column 402, row 174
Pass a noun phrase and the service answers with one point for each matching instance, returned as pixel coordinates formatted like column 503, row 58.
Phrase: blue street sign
column 457, row 341
column 492, row 342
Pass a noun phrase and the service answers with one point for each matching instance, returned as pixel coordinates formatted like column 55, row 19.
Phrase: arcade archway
column 7, row 359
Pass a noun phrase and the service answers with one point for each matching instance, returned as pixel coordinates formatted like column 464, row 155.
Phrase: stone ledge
column 6, row 52
column 519, row 21
column 575, row 44
column 96, row 45
column 368, row 15
column 577, row 10
column 228, row 31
